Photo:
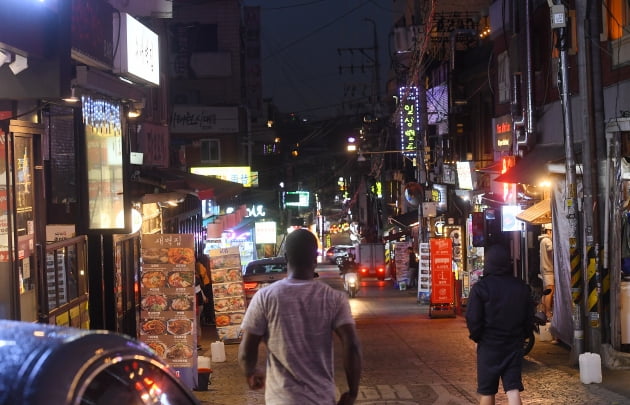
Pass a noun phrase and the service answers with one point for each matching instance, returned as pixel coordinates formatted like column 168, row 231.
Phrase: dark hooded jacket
column 500, row 309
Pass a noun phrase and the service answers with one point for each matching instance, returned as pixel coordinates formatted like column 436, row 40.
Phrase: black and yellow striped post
column 604, row 296
column 576, row 274
column 593, row 287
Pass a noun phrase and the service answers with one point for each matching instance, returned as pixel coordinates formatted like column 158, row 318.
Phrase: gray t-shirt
column 296, row 319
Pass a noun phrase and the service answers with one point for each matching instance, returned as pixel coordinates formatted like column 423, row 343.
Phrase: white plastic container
column 545, row 335
column 218, row 352
column 590, row 368
column 204, row 362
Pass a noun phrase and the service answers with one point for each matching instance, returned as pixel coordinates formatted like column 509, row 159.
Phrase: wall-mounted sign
column 265, row 232
column 296, row 199
column 508, row 218
column 502, row 133
column 138, row 53
column 153, row 141
column 92, row 33
column 464, row 176
column 409, row 118
column 439, row 195
column 235, row 174
column 191, row 119
column 256, row 211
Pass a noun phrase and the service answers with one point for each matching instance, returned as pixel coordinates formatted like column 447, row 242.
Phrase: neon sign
column 409, row 118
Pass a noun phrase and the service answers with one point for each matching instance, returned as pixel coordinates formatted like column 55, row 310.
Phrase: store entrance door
column 25, row 198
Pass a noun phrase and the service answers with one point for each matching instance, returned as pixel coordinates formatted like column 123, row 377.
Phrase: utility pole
column 592, row 278
column 558, row 14
column 372, row 64
column 370, row 121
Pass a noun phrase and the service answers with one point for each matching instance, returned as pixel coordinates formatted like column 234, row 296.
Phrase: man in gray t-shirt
column 296, row 318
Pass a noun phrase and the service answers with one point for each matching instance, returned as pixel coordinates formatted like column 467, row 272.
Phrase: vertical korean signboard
column 441, row 271
column 409, row 118
column 228, row 292
column 167, row 309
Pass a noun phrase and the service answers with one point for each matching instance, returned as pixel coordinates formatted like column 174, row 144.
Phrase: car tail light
column 381, row 270
column 364, row 270
column 250, row 286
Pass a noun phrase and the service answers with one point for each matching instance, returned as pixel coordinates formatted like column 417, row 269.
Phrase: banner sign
column 402, row 260
column 441, row 271
column 228, row 291
column 167, row 307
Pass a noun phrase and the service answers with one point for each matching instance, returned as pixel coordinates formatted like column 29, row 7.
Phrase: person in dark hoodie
column 499, row 316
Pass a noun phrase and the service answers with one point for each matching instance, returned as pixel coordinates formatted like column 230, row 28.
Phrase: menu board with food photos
column 167, row 306
column 228, row 292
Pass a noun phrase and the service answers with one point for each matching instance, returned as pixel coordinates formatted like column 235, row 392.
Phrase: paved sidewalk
column 412, row 359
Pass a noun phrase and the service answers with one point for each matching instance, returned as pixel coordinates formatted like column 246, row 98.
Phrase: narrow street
column 410, row 358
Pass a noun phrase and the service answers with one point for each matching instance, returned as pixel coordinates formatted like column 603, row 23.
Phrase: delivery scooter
column 540, row 319
column 350, row 273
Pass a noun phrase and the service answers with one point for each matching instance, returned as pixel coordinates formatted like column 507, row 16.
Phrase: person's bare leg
column 486, row 400
column 548, row 303
column 514, row 397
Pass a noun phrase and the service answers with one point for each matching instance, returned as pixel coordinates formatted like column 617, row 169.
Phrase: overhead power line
column 310, row 34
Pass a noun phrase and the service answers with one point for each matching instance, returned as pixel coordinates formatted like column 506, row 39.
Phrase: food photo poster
column 167, row 306
column 228, row 292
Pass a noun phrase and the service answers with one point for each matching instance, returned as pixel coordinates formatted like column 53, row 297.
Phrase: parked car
column 262, row 272
column 336, row 254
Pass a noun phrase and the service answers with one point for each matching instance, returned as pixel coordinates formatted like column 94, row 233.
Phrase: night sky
column 300, row 41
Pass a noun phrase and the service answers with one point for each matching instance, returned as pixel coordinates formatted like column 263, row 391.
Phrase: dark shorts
column 494, row 363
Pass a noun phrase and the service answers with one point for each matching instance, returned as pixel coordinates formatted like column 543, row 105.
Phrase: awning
column 537, row 214
column 533, row 166
column 406, row 220
column 397, row 235
column 203, row 187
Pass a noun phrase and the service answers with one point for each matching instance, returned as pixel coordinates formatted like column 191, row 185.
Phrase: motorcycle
column 350, row 273
column 540, row 319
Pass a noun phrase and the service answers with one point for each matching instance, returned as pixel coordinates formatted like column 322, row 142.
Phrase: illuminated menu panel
column 167, row 317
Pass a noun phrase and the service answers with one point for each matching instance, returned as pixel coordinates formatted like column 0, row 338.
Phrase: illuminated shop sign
column 464, row 176
column 409, row 118
column 438, row 195
column 509, row 222
column 256, row 211
column 235, row 174
column 138, row 53
column 502, row 131
column 296, row 199
column 265, row 232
